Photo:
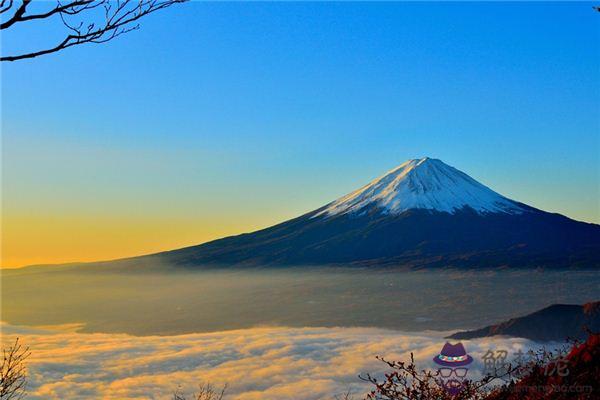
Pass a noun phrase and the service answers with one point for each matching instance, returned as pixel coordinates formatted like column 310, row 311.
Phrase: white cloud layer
column 259, row 363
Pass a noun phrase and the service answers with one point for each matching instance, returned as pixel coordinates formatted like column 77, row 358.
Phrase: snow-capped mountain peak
column 425, row 183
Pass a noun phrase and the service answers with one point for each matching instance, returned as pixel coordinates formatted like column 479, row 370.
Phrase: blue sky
column 217, row 118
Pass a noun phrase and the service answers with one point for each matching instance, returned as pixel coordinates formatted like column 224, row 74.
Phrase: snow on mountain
column 425, row 183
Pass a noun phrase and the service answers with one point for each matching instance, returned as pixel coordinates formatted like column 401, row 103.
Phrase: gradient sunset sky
column 221, row 118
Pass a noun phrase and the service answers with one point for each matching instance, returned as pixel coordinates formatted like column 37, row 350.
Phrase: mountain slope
column 556, row 322
column 423, row 213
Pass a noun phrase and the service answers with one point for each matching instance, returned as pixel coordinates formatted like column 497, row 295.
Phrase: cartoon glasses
column 459, row 372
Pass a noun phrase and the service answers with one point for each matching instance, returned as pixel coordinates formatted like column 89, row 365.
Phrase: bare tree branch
column 206, row 391
column 17, row 15
column 406, row 382
column 5, row 5
column 71, row 8
column 13, row 372
column 118, row 17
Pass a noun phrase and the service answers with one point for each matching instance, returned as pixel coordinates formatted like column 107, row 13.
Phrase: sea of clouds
column 259, row 363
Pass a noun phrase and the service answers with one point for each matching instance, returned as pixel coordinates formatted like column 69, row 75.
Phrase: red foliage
column 581, row 380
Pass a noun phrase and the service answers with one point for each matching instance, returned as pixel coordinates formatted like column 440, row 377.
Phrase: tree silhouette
column 206, row 391
column 84, row 21
column 13, row 372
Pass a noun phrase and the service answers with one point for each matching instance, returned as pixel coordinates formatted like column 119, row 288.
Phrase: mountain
column 554, row 323
column 423, row 213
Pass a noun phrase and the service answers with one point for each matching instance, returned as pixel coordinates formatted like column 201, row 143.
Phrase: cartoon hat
column 453, row 355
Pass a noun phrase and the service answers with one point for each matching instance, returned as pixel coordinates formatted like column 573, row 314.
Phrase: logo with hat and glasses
column 452, row 370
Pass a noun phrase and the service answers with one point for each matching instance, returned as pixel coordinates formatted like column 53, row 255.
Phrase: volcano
column 424, row 213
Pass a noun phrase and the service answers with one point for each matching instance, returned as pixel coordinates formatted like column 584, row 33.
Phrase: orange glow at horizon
column 49, row 239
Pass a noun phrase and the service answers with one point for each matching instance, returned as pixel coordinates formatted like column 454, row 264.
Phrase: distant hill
column 554, row 323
